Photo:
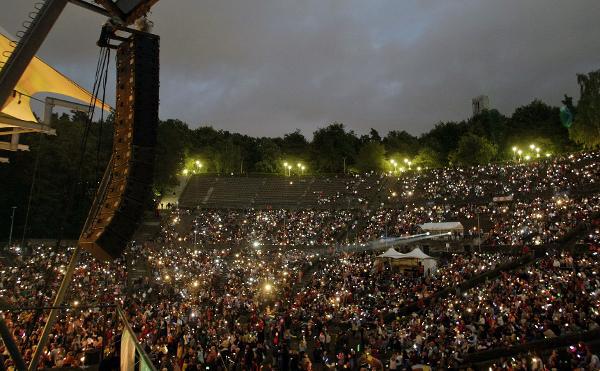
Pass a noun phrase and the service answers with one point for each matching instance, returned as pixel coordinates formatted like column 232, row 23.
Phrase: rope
column 31, row 188
column 101, row 120
column 101, row 68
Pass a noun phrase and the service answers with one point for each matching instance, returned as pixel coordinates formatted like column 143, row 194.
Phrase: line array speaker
column 126, row 186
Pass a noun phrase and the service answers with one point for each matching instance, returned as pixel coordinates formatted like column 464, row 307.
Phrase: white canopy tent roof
column 417, row 254
column 428, row 262
column 391, row 253
column 442, row 226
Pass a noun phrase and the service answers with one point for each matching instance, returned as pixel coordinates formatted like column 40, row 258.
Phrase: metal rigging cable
column 101, row 122
column 101, row 71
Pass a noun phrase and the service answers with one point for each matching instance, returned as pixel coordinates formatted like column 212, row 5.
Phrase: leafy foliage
column 586, row 125
column 333, row 148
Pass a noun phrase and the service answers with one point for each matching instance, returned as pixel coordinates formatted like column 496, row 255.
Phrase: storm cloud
column 267, row 67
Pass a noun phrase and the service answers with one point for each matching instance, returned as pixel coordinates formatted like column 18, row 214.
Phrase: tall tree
column 444, row 137
column 295, row 145
column 332, row 146
column 586, row 125
column 536, row 122
column 429, row 158
column 371, row 157
column 270, row 156
column 473, row 150
column 173, row 143
column 402, row 143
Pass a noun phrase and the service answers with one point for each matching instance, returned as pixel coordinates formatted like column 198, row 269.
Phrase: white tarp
column 429, row 263
column 442, row 227
column 391, row 253
column 417, row 254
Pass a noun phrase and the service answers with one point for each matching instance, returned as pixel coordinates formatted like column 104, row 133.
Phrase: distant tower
column 480, row 103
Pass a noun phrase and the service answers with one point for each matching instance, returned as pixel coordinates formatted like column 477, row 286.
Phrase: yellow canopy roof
column 39, row 77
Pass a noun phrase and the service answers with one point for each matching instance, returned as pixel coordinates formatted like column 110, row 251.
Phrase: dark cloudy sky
column 267, row 67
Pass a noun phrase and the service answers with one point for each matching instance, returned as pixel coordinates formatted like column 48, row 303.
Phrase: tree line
column 62, row 193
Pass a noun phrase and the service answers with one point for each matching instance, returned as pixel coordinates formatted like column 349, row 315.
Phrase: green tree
column 371, row 157
column 331, row 146
column 173, row 144
column 270, row 156
column 533, row 123
column 489, row 124
column 401, row 142
column 444, row 137
column 429, row 158
column 586, row 125
column 473, row 150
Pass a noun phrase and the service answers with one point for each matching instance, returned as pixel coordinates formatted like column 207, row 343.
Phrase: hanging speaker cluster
column 126, row 187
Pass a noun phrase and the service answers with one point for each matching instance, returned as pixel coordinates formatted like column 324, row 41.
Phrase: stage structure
column 126, row 185
column 16, row 116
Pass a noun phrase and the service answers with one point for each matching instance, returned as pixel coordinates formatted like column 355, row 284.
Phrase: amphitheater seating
column 210, row 191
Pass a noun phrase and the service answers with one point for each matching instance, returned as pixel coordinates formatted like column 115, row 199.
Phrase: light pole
column 12, row 222
column 478, row 232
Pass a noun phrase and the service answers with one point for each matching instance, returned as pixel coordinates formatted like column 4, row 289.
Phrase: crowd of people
column 276, row 289
column 538, row 221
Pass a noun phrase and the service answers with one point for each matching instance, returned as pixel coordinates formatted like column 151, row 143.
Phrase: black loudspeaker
column 126, row 186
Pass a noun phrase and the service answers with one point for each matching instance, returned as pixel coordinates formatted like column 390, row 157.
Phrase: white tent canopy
column 391, row 253
column 429, row 263
column 442, row 227
column 417, row 254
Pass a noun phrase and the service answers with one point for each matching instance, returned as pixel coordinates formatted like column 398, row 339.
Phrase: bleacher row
column 260, row 192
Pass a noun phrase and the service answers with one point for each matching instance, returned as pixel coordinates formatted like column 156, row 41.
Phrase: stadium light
column 395, row 164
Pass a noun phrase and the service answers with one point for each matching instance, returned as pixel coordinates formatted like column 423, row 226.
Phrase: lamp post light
column 12, row 222
column 301, row 168
column 395, row 165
